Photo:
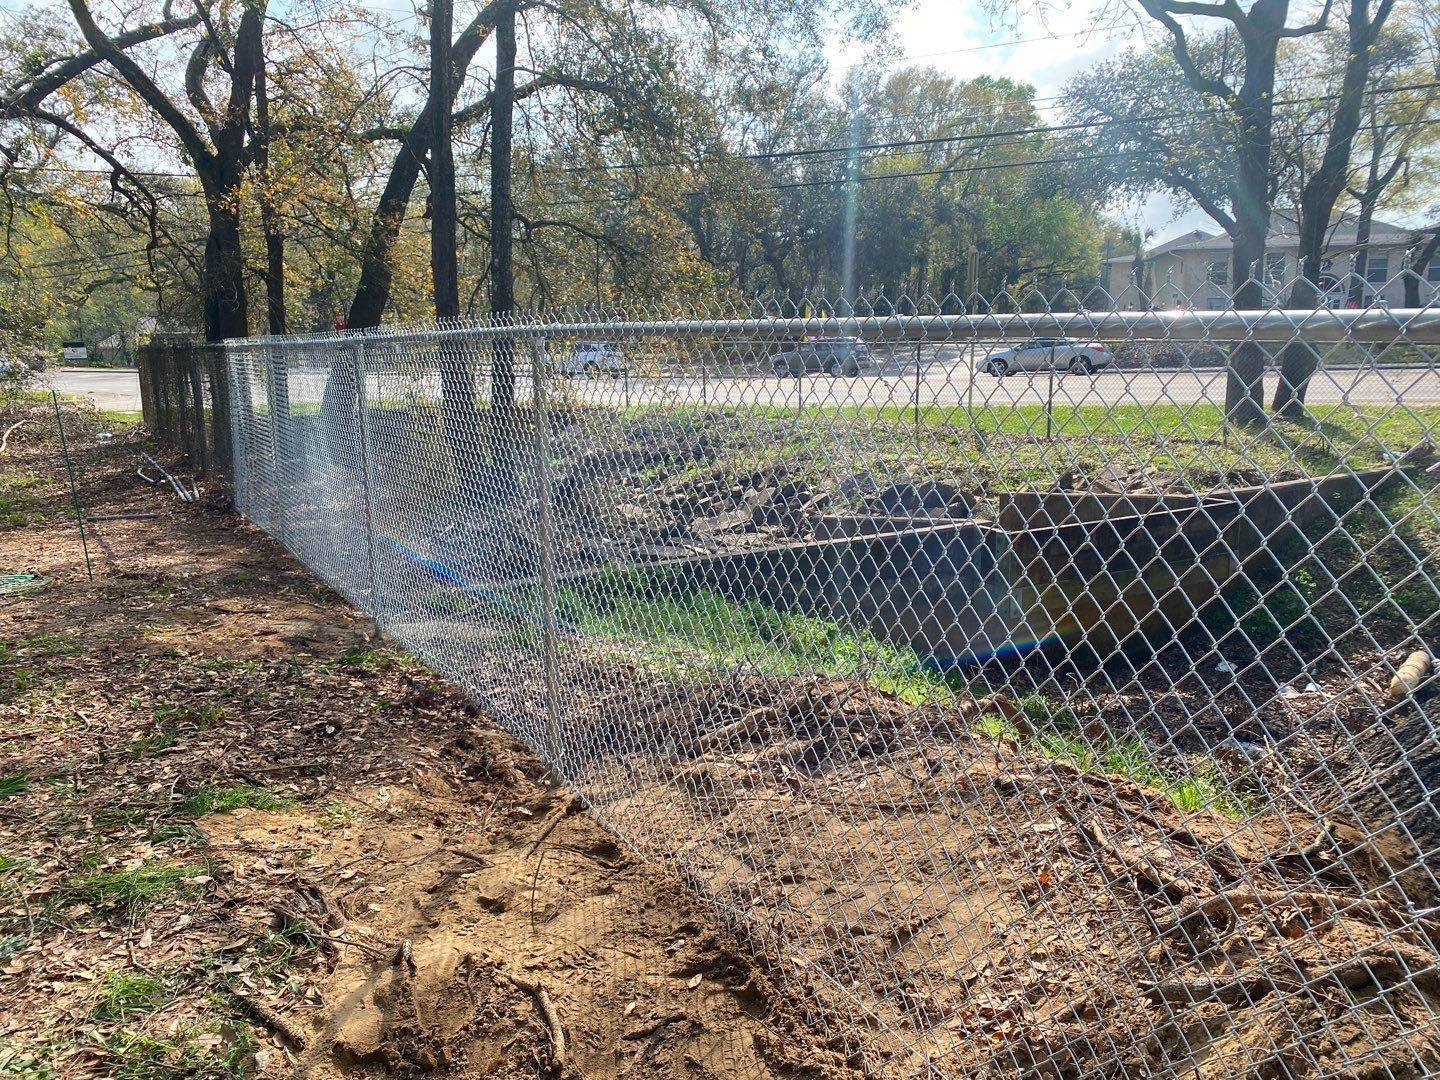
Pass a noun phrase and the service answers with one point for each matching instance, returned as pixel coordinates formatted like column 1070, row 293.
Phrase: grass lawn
column 1009, row 446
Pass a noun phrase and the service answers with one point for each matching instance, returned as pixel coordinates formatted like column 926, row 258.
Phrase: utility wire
column 897, row 144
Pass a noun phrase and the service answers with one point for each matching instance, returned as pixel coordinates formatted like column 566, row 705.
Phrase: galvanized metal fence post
column 547, row 550
column 274, row 353
column 368, row 478
column 917, row 396
column 1050, row 397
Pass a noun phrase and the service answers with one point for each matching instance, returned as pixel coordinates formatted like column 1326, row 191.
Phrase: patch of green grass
column 19, row 504
column 15, row 783
column 995, row 447
column 17, row 1064
column 212, row 799
column 1190, row 787
column 161, row 739
column 1384, row 564
column 15, row 683
column 369, row 658
column 198, row 716
column 995, row 726
column 685, row 630
column 133, row 891
column 134, row 1055
column 11, row 945
column 121, row 995
column 53, row 645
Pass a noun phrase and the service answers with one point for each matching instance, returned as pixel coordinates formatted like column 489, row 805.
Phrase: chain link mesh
column 1023, row 714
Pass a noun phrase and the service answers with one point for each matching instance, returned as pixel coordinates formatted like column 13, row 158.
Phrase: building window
column 1216, row 303
column 1275, row 267
column 1218, row 272
column 1432, row 271
column 1377, row 270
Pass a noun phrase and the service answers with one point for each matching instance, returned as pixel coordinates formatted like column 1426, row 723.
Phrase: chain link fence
column 1023, row 714
column 184, row 397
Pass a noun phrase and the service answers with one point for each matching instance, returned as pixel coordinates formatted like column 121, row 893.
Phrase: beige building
column 1193, row 270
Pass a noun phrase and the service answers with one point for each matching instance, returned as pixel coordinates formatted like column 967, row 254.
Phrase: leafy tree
column 1244, row 92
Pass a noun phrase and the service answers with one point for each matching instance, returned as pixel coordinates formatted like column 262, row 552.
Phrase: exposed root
column 547, row 1010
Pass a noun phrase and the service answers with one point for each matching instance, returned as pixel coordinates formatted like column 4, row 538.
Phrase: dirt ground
column 239, row 838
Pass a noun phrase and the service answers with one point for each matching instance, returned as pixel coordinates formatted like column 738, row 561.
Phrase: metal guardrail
column 1035, row 724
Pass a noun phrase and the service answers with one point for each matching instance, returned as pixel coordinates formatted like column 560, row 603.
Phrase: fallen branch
column 1247, row 988
column 711, row 740
column 5, row 439
column 1141, row 868
column 264, row 1015
column 654, row 1026
column 570, row 806
column 547, row 1010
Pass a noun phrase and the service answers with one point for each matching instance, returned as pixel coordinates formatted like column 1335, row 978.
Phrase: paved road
column 945, row 385
column 116, row 389
column 954, row 385
column 940, row 383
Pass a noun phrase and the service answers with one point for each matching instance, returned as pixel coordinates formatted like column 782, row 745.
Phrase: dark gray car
column 833, row 356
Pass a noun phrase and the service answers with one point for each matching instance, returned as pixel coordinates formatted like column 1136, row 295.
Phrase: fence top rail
column 1368, row 325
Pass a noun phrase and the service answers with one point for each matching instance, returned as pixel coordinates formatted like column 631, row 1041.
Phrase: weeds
column 134, row 1055
column 133, row 891
column 369, row 658
column 200, row 716
column 16, row 1064
column 15, row 783
column 211, row 799
column 16, row 683
column 681, row 630
column 166, row 736
column 11, row 945
column 122, row 995
column 19, row 505
column 52, row 645
column 335, row 815
column 1056, row 736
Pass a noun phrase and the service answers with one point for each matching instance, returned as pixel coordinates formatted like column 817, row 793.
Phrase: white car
column 591, row 359
column 1043, row 354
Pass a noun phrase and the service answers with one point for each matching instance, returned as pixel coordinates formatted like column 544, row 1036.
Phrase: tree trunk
column 269, row 220
column 444, row 268
column 1364, row 220
column 377, row 268
column 460, row 421
column 1415, row 272
column 1299, row 360
column 1254, row 113
column 224, row 286
column 502, row 216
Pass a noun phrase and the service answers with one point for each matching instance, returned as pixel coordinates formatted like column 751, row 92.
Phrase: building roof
column 1284, row 235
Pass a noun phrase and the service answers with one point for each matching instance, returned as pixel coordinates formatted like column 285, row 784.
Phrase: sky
column 961, row 39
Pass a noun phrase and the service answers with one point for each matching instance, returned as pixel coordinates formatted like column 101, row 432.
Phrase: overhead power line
column 833, row 148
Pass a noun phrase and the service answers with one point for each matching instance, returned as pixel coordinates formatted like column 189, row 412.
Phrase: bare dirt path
column 239, row 839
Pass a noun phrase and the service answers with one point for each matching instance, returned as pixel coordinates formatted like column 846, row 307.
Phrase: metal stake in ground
column 70, row 476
